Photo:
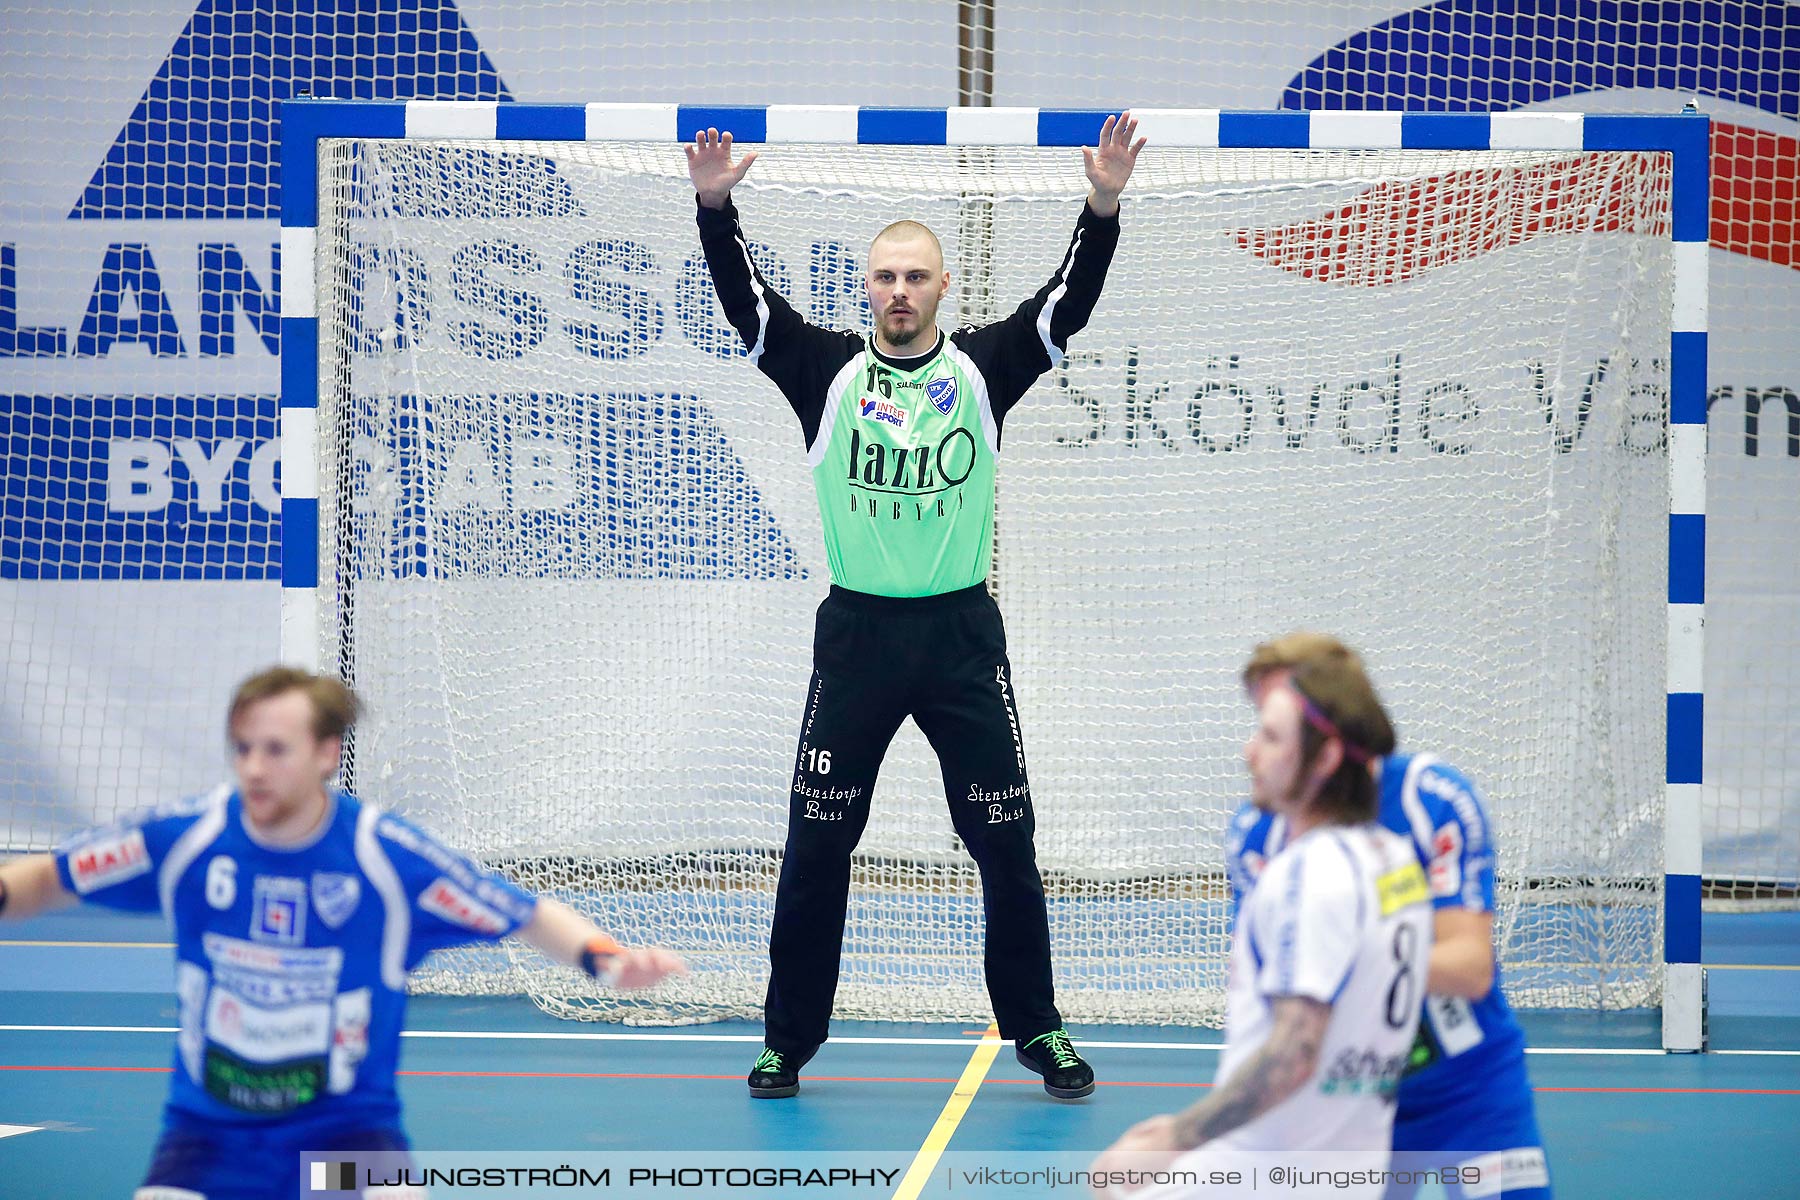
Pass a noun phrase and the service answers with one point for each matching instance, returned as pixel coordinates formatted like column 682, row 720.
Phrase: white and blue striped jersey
column 1341, row 918
column 291, row 962
column 1468, row 1062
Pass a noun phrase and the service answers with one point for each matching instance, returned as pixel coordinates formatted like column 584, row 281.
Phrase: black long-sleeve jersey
column 903, row 449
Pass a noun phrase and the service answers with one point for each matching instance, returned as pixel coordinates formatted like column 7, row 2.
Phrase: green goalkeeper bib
column 904, row 471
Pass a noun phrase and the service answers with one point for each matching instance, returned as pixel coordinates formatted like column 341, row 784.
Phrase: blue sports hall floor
column 87, row 1030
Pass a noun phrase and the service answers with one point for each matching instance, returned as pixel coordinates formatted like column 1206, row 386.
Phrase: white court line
column 88, row 1029
column 93, row 945
column 1087, row 1043
column 7, row 1131
column 1162, row 960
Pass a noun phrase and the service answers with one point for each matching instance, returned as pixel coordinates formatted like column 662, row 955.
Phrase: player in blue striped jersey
column 1466, row 1092
column 297, row 912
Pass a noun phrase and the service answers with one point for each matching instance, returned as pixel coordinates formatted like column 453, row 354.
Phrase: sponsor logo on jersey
column 874, row 408
column 1480, row 866
column 108, row 860
column 334, row 896
column 349, row 1038
column 1499, row 1172
column 1434, row 782
column 458, row 870
column 444, row 899
column 1453, row 1024
column 1365, row 1072
column 266, row 1035
column 415, row 840
column 273, row 977
column 229, row 953
column 1446, row 860
column 257, row 1088
column 191, row 982
column 1401, row 887
column 942, row 394
column 279, row 913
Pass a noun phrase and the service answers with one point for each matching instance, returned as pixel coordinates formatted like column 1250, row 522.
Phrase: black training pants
column 876, row 661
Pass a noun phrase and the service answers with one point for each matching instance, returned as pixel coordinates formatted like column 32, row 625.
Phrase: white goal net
column 569, row 548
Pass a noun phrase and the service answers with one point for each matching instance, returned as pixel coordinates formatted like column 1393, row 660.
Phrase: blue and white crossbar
column 1684, row 137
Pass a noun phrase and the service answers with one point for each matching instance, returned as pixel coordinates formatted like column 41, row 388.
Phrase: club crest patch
column 334, row 896
column 942, row 394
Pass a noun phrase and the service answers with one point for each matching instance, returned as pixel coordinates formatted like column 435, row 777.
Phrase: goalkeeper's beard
column 901, row 338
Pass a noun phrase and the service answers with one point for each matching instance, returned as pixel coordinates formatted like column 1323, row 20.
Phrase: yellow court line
column 1751, row 966
column 926, row 1160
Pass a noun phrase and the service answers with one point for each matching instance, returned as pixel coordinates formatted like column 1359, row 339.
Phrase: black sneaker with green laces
column 1053, row 1056
column 776, row 1075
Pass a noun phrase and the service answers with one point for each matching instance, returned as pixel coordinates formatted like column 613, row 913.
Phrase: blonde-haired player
column 297, row 912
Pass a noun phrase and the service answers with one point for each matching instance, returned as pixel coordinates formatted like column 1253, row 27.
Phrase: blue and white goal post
column 542, row 443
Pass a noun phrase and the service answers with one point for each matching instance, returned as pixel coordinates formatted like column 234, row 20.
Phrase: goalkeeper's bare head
column 906, row 283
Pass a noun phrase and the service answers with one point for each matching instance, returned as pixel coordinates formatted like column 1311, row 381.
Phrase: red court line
column 643, row 1075
column 145, row 1070
column 1133, row 1083
column 1679, row 1091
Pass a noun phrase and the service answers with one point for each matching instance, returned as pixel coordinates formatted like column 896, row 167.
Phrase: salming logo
column 1012, row 718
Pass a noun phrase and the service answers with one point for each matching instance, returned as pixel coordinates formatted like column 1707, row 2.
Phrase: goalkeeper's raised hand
column 711, row 168
column 1109, row 164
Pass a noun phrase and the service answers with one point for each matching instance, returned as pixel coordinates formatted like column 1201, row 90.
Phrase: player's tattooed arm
column 1275, row 1072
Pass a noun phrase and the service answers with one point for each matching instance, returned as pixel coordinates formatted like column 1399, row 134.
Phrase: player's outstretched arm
column 711, row 169
column 575, row 941
column 1108, row 164
column 30, row 885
